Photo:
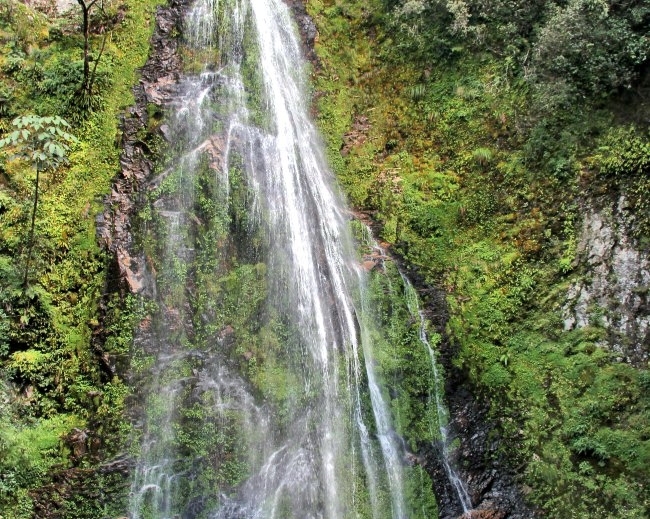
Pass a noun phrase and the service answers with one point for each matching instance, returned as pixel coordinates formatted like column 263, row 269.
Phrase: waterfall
column 442, row 415
column 258, row 383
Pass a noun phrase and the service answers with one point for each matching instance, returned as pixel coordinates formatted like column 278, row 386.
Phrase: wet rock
column 166, row 132
column 194, row 508
column 375, row 260
column 158, row 85
column 131, row 270
column 227, row 337
column 161, row 91
column 215, row 148
column 484, row 514
column 174, row 319
column 307, row 28
column 491, row 484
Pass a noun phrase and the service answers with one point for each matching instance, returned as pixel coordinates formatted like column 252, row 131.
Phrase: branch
column 99, row 57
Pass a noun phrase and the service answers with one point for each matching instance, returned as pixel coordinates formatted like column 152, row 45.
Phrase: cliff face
column 516, row 203
column 156, row 88
column 613, row 290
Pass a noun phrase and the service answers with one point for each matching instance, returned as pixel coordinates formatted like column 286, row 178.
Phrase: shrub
column 591, row 48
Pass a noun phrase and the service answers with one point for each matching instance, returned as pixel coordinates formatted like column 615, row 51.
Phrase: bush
column 624, row 153
column 591, row 49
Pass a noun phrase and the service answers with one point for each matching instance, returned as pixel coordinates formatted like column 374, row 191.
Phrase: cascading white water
column 442, row 414
column 280, row 414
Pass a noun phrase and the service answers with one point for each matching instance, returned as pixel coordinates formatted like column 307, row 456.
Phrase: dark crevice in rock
column 491, row 482
column 158, row 86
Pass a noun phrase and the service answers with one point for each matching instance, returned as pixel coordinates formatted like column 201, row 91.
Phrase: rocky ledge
column 158, row 85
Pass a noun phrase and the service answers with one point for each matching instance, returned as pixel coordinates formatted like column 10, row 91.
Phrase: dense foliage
column 61, row 405
column 473, row 132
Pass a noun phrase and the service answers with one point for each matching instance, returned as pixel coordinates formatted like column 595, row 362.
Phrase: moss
column 59, row 313
column 470, row 185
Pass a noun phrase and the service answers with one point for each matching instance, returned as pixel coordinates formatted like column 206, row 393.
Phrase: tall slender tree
column 44, row 142
column 86, row 7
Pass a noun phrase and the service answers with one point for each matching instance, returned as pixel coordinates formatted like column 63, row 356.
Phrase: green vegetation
column 471, row 131
column 404, row 366
column 55, row 378
column 43, row 142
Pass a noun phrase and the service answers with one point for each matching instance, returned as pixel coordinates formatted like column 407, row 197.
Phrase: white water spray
column 326, row 456
column 442, row 414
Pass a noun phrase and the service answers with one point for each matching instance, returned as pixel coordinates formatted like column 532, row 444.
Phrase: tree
column 86, row 6
column 44, row 142
column 88, row 77
column 593, row 47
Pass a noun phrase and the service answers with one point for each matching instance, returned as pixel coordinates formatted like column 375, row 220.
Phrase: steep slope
column 62, row 337
column 508, row 167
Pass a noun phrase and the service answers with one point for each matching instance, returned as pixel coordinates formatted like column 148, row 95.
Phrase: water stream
column 442, row 413
column 259, row 389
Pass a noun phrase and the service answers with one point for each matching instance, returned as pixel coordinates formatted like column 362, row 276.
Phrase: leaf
column 25, row 134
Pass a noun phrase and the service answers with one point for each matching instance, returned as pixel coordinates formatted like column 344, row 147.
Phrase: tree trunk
column 85, row 10
column 30, row 241
column 91, row 81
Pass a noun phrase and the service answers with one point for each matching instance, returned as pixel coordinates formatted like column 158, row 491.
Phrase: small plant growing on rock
column 44, row 142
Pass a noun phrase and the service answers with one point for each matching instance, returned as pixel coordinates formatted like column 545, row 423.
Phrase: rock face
column 307, row 28
column 157, row 86
column 491, row 483
column 614, row 294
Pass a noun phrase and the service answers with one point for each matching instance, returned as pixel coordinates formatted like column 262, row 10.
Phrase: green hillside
column 477, row 134
column 61, row 403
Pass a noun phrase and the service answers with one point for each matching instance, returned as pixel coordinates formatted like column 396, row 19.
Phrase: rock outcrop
column 614, row 293
column 158, row 85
